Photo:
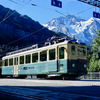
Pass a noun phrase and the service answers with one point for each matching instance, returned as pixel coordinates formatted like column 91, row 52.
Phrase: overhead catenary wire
column 84, row 11
column 36, row 43
column 41, row 7
column 74, row 14
column 7, row 14
column 25, row 36
column 37, row 30
column 22, row 6
column 41, row 28
column 11, row 15
column 15, row 2
column 30, row 33
column 14, row 12
column 60, row 13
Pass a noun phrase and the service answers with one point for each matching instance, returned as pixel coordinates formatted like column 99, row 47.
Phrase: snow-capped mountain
column 73, row 26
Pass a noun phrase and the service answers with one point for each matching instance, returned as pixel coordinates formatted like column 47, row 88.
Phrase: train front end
column 77, row 59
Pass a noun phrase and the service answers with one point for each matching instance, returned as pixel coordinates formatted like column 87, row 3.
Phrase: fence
column 91, row 75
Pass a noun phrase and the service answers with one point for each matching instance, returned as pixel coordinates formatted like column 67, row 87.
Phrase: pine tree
column 94, row 58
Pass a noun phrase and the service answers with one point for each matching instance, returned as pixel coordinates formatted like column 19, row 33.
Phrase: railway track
column 15, row 96
column 52, row 96
column 26, row 89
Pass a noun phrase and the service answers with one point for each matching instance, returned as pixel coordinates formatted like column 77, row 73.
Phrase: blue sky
column 45, row 12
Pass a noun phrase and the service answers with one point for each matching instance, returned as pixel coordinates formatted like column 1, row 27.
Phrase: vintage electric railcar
column 58, row 58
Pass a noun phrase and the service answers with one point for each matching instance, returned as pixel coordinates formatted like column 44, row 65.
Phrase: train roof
column 54, row 41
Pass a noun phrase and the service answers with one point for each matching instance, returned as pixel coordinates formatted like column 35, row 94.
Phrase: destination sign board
column 96, row 15
column 56, row 3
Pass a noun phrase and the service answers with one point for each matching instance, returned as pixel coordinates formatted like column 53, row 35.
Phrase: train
column 58, row 57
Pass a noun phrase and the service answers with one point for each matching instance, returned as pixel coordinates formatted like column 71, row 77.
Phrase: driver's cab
column 77, row 58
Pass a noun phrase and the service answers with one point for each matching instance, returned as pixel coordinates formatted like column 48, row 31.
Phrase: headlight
column 73, row 65
column 85, row 65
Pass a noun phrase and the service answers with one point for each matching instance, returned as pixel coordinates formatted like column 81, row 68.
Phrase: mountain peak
column 91, row 19
column 72, row 25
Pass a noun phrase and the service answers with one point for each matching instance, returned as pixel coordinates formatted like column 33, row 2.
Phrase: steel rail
column 23, row 96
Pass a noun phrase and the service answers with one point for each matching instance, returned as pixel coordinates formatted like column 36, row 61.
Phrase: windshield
column 73, row 50
column 81, row 51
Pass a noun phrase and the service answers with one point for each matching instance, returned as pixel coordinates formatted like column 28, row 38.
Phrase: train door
column 52, row 63
column 16, row 66
column 73, row 57
column 61, row 59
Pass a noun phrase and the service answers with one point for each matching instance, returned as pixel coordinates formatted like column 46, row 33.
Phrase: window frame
column 27, row 60
column 5, row 62
column 46, row 56
column 20, row 59
column 37, row 57
column 11, row 63
column 54, row 54
column 74, row 52
column 82, row 51
column 63, row 52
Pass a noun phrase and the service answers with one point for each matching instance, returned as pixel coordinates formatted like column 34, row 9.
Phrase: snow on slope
column 74, row 26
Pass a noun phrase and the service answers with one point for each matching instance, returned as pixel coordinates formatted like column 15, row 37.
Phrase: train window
column 52, row 54
column 28, row 58
column 61, row 53
column 11, row 62
column 21, row 59
column 6, row 62
column 34, row 57
column 43, row 56
column 81, row 50
column 73, row 50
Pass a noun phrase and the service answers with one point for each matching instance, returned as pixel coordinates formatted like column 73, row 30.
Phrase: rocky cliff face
column 22, row 28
